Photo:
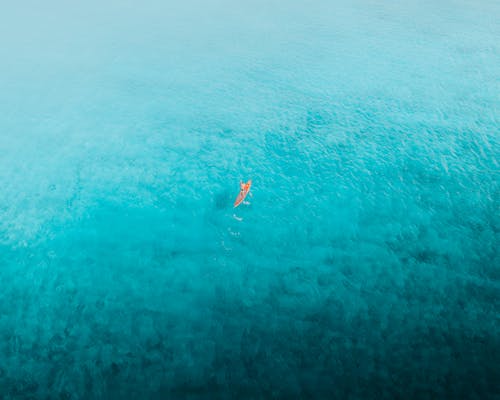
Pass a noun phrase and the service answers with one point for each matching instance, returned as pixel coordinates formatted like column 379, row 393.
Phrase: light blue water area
column 366, row 264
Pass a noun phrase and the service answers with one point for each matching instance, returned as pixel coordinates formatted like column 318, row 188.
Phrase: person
column 244, row 187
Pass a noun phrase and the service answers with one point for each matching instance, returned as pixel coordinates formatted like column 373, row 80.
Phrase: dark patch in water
column 222, row 200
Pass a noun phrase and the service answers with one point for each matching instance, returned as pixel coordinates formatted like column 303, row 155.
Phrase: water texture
column 366, row 264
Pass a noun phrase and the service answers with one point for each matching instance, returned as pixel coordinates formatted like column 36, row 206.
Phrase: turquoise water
column 366, row 264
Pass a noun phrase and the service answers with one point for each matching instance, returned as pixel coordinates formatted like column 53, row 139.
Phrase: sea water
column 366, row 263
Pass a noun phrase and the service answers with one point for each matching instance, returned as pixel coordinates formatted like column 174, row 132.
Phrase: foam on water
column 366, row 264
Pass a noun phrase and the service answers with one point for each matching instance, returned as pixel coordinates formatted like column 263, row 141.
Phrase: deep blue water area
column 364, row 266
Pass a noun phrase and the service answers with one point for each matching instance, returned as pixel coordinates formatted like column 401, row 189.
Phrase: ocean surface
column 365, row 265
